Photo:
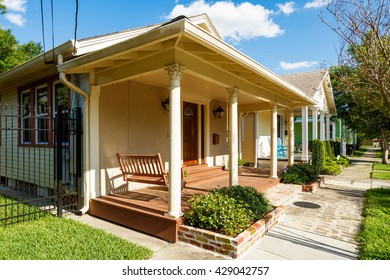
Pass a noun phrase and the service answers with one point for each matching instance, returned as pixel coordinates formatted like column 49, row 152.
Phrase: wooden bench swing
column 147, row 169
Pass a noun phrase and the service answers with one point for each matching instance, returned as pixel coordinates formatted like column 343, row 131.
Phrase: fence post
column 59, row 140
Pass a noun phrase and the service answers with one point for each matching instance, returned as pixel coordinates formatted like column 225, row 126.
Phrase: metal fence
column 40, row 163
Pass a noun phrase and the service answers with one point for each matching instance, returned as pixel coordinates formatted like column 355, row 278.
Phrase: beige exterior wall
column 20, row 163
column 219, row 152
column 133, row 121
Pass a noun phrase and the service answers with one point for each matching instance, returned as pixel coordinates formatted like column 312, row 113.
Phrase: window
column 41, row 114
column 26, row 118
column 39, row 103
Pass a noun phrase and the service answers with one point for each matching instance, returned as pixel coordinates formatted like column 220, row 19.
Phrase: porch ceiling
column 211, row 66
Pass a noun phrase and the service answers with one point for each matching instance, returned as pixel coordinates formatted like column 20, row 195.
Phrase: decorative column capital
column 233, row 92
column 175, row 71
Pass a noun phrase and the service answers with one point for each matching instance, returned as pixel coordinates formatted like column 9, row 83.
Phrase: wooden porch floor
column 144, row 209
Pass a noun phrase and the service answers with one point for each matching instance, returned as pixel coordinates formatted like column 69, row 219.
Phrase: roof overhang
column 203, row 54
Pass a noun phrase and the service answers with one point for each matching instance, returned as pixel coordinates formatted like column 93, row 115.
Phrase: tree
column 362, row 111
column 12, row 53
column 364, row 29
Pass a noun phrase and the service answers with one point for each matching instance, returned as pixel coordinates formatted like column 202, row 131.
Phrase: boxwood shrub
column 318, row 155
column 300, row 174
column 249, row 197
column 229, row 210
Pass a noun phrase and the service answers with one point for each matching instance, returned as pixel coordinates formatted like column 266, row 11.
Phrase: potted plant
column 241, row 163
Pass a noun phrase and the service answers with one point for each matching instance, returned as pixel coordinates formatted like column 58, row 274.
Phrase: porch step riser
column 156, row 225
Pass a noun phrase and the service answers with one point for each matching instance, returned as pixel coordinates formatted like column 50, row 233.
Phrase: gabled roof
column 307, row 81
column 313, row 83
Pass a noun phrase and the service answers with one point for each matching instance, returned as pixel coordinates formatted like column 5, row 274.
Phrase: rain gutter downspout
column 78, row 90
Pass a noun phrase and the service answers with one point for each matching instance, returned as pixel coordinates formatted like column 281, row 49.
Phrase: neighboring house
column 255, row 142
column 121, row 81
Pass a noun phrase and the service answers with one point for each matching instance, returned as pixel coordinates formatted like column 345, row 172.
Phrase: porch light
column 165, row 105
column 218, row 113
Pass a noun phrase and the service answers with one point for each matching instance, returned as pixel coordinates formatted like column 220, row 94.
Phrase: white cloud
column 16, row 19
column 16, row 5
column 297, row 65
column 287, row 8
column 233, row 21
column 317, row 4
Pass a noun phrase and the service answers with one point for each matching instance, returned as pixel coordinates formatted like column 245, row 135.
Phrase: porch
column 144, row 209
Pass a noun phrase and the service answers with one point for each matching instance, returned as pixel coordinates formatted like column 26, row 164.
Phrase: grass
column 50, row 238
column 374, row 235
column 381, row 171
column 360, row 151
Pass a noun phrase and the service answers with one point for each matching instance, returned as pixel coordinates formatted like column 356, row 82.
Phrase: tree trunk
column 385, row 152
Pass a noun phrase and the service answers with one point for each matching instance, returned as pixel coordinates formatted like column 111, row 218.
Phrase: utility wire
column 75, row 25
column 52, row 28
column 43, row 30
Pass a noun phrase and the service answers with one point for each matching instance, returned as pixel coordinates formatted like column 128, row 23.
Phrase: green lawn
column 375, row 231
column 50, row 238
column 381, row 171
column 360, row 151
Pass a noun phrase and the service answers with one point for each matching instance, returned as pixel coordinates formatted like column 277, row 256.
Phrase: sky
column 284, row 36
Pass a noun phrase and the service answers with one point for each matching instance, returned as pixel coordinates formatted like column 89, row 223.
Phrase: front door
column 190, row 133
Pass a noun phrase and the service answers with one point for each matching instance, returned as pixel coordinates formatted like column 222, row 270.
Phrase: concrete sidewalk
column 318, row 226
column 322, row 225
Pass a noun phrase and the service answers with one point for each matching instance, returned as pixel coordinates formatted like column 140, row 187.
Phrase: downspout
column 78, row 90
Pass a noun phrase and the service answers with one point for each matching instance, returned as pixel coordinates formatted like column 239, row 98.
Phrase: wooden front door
column 190, row 133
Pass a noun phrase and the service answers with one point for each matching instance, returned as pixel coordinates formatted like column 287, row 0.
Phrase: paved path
column 317, row 226
column 322, row 225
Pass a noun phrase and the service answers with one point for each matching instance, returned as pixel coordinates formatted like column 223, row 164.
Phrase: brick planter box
column 231, row 246
column 312, row 187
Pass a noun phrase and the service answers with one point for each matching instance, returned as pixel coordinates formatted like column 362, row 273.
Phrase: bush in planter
column 318, row 155
column 329, row 149
column 249, row 197
column 300, row 174
column 331, row 168
column 219, row 213
column 343, row 161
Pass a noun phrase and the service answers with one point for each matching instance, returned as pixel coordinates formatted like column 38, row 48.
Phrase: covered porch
column 144, row 209
column 185, row 62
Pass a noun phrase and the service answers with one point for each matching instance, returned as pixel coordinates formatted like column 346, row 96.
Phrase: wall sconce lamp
column 165, row 105
column 218, row 113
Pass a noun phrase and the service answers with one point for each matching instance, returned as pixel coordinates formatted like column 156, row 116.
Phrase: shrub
column 249, row 197
column 300, row 174
column 318, row 155
column 331, row 168
column 343, row 161
column 329, row 149
column 219, row 213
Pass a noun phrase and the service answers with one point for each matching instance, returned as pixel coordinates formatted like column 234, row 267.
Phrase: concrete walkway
column 317, row 226
column 322, row 225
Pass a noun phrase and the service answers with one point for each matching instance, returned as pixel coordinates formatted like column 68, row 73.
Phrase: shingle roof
column 306, row 81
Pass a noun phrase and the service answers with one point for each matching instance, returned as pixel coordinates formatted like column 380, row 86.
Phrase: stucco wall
column 131, row 121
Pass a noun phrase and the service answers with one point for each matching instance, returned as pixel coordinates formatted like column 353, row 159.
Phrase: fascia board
column 227, row 50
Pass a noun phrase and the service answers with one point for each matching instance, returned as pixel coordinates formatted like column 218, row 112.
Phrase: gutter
column 86, row 95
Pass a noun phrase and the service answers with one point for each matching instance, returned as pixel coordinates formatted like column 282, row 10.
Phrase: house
column 155, row 89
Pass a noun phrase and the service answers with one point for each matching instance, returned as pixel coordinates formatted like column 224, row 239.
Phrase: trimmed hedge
column 318, row 155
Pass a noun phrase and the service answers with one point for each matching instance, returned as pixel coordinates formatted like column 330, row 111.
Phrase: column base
column 174, row 215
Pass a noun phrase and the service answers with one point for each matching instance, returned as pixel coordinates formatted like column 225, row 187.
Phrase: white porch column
column 305, row 134
column 199, row 134
column 233, row 136
column 333, row 130
column 314, row 122
column 327, row 127
column 322, row 125
column 256, row 139
column 274, row 136
column 175, row 142
column 291, row 136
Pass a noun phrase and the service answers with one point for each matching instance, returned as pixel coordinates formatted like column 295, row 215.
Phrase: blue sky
column 284, row 36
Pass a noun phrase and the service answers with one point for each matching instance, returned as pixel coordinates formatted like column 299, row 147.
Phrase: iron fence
column 40, row 163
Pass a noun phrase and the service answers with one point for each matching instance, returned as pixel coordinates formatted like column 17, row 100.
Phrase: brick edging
column 231, row 246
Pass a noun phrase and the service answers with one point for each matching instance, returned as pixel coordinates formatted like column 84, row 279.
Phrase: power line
column 75, row 25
